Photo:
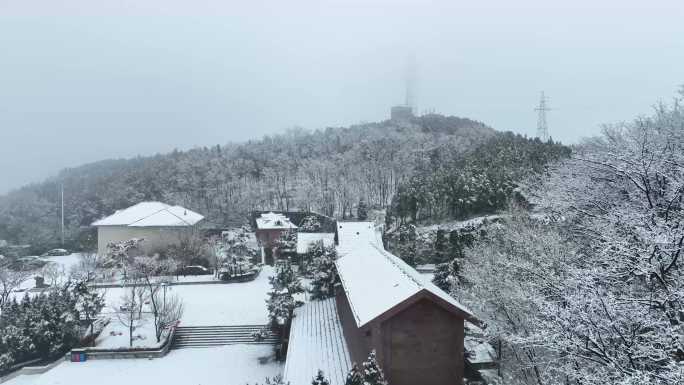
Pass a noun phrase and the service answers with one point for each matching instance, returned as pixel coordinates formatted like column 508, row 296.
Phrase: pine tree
column 320, row 379
column 372, row 374
column 324, row 273
column 441, row 253
column 362, row 210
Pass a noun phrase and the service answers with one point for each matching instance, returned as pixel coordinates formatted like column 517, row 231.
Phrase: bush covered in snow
column 43, row 326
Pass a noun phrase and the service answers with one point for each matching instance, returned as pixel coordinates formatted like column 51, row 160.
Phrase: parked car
column 56, row 253
column 193, row 270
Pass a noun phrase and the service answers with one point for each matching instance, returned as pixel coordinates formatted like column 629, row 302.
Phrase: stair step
column 220, row 335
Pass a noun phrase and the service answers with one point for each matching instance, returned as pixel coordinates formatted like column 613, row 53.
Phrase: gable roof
column 377, row 282
column 151, row 214
column 272, row 221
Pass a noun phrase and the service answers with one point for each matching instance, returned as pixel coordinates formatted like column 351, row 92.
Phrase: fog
column 82, row 81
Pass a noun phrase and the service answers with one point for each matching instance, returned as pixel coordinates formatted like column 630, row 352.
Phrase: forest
column 434, row 166
column 585, row 285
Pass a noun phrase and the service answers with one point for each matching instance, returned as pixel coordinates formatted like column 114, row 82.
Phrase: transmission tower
column 542, row 126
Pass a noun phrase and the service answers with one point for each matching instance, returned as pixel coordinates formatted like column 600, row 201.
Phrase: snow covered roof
column 376, row 281
column 151, row 214
column 304, row 240
column 317, row 342
column 272, row 221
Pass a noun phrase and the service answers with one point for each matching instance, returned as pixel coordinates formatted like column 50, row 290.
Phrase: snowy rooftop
column 375, row 281
column 151, row 214
column 272, row 220
column 304, row 240
column 317, row 342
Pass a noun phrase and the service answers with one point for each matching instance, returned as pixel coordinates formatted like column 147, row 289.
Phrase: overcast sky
column 85, row 80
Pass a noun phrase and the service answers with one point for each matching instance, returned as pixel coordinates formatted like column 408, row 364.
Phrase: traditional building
column 270, row 227
column 159, row 224
column 381, row 304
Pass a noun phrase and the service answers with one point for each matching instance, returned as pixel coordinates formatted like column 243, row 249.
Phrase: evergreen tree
column 89, row 303
column 441, row 248
column 320, row 379
column 362, row 210
column 324, row 273
column 407, row 244
column 371, row 374
column 446, row 275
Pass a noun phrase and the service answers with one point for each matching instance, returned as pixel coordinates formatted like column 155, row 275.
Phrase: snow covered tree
column 320, row 379
column 119, row 254
column 324, row 273
column 441, row 247
column 10, row 280
column 362, row 210
column 406, row 247
column 310, row 224
column 446, row 275
column 146, row 271
column 89, row 262
column 168, row 309
column 286, row 244
column 89, row 303
column 281, row 303
column 128, row 313
column 372, row 374
column 369, row 374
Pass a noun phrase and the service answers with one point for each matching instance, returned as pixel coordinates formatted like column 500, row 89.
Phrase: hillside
column 328, row 171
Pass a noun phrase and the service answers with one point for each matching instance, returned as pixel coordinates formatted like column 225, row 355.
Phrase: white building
column 159, row 224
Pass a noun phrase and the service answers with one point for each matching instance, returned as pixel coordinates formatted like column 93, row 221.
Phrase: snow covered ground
column 225, row 304
column 115, row 336
column 233, row 364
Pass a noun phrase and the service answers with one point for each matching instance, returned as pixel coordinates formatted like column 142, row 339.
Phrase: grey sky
column 87, row 80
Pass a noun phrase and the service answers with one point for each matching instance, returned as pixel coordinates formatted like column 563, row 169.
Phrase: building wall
column 358, row 343
column 155, row 237
column 268, row 237
column 423, row 345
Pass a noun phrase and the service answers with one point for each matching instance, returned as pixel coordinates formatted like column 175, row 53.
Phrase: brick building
column 381, row 304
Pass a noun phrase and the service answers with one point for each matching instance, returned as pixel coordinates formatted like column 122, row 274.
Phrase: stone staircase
column 219, row 335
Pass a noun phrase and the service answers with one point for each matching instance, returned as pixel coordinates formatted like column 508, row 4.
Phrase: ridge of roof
column 136, row 215
column 361, row 260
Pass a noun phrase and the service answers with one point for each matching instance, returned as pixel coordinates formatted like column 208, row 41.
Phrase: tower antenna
column 542, row 126
column 410, row 100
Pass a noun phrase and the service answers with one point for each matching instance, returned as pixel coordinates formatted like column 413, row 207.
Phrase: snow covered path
column 234, row 364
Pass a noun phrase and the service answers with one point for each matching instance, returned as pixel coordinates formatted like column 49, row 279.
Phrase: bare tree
column 10, row 280
column 53, row 273
column 167, row 309
column 89, row 262
column 150, row 271
column 128, row 312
